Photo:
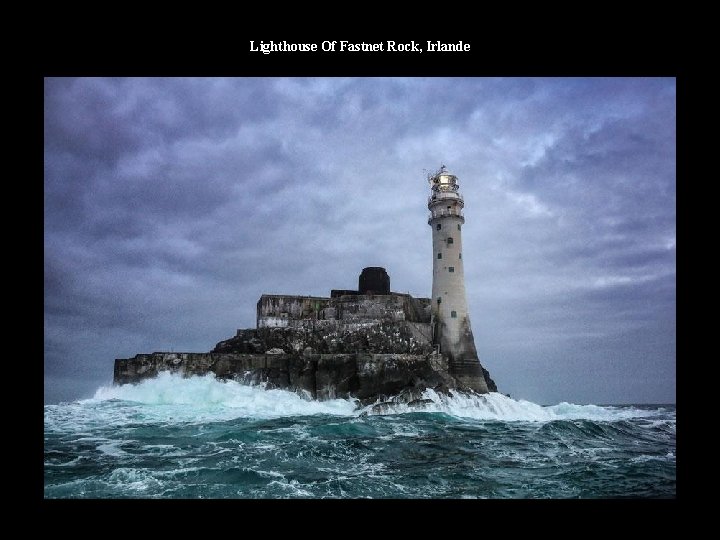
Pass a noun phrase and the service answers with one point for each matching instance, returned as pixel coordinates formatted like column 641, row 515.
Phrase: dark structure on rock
column 374, row 280
column 369, row 344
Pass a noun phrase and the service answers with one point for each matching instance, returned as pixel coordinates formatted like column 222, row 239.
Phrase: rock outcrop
column 370, row 362
column 400, row 337
column 365, row 376
column 357, row 344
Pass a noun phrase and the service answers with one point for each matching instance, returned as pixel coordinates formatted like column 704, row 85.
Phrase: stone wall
column 288, row 311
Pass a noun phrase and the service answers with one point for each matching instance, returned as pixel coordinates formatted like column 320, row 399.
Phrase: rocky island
column 370, row 344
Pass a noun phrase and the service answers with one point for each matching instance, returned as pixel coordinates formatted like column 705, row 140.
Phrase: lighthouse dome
column 442, row 178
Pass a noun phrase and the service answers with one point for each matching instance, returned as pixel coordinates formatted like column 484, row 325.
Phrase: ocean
column 199, row 437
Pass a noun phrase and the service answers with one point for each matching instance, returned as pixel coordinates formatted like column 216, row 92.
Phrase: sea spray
column 206, row 395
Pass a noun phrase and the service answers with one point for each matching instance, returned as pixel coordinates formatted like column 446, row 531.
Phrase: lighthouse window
column 451, row 269
column 460, row 256
column 439, row 255
column 458, row 226
column 439, row 300
column 438, row 226
column 453, row 314
column 449, row 241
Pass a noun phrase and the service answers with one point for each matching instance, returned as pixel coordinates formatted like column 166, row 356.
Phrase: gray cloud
column 172, row 204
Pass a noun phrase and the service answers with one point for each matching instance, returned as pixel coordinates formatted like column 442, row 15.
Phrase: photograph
column 436, row 287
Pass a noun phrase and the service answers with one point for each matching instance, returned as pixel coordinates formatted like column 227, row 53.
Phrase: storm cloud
column 171, row 205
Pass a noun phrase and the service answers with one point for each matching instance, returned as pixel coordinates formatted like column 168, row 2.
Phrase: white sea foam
column 134, row 479
column 209, row 397
column 174, row 398
column 112, row 449
column 496, row 406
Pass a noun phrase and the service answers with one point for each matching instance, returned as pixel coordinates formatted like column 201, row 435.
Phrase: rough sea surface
column 202, row 438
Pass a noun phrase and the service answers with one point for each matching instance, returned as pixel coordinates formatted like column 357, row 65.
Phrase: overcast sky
column 171, row 205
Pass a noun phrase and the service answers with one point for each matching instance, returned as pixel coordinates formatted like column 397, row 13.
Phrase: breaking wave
column 204, row 397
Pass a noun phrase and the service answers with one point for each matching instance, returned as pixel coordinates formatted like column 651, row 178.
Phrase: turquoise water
column 202, row 438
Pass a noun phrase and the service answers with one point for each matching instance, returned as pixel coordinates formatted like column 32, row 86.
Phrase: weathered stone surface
column 232, row 365
column 146, row 366
column 400, row 337
column 336, row 376
column 365, row 376
column 372, row 360
column 492, row 387
column 302, row 372
column 245, row 341
column 388, row 375
column 291, row 311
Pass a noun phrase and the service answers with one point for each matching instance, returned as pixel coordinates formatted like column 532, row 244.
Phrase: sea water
column 199, row 437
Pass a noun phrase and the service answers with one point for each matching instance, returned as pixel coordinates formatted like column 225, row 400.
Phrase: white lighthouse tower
column 450, row 318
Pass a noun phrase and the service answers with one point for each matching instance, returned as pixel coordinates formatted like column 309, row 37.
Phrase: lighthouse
column 450, row 318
